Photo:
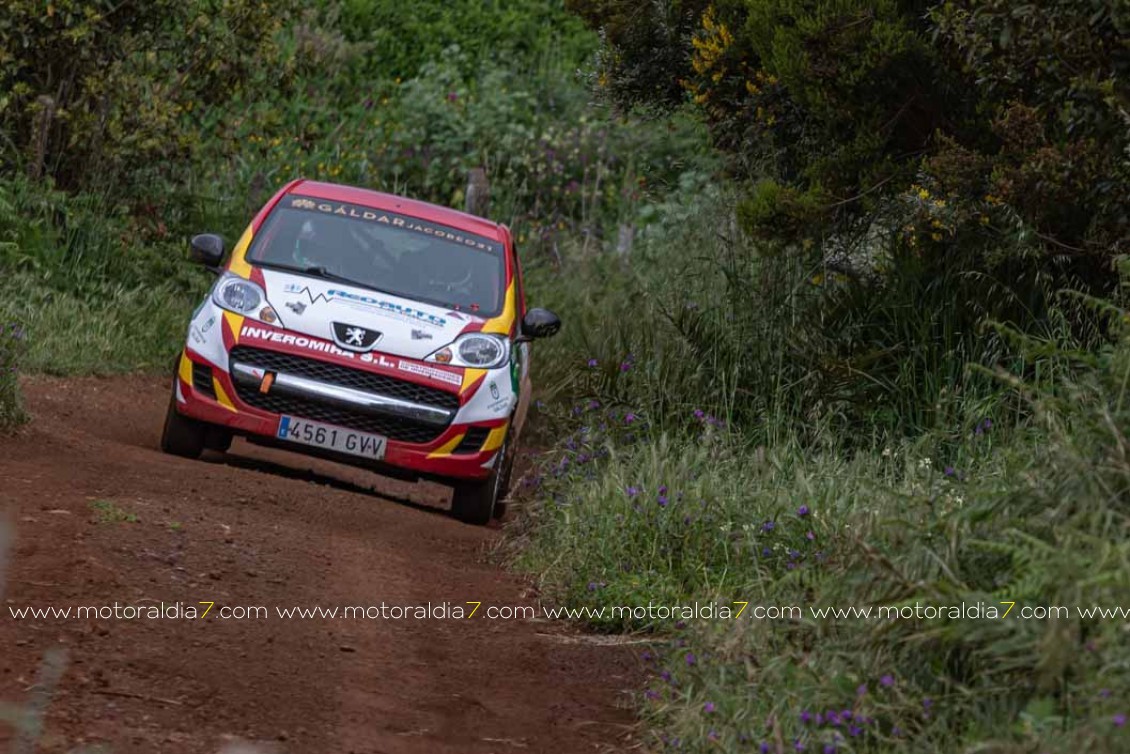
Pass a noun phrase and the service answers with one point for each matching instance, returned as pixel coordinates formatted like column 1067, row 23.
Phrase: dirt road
column 101, row 516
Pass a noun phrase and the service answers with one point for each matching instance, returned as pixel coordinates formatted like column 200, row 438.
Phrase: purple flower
column 666, row 676
column 708, row 708
column 625, row 366
column 768, row 526
column 452, row 96
column 690, row 658
column 593, row 362
column 592, row 586
column 854, row 731
column 662, row 501
column 712, row 735
column 1119, row 720
column 949, row 471
column 1104, row 693
column 805, row 717
column 927, row 703
column 799, row 745
column 802, row 511
column 810, row 536
column 764, row 748
column 647, row 656
column 887, row 680
column 629, row 417
column 632, row 491
column 594, row 404
column 829, row 749
column 651, row 694
column 699, row 413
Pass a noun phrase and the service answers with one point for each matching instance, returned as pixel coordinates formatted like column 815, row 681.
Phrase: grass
column 109, row 512
column 690, row 472
column 111, row 330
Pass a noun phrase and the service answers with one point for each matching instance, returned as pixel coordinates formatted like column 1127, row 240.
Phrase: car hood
column 408, row 328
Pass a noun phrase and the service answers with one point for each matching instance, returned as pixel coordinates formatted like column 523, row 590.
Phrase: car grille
column 399, row 429
column 202, row 380
column 473, row 440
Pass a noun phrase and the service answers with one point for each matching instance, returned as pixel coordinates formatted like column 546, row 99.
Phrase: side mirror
column 540, row 323
column 208, row 249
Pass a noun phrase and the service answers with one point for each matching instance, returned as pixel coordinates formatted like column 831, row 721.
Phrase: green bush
column 95, row 92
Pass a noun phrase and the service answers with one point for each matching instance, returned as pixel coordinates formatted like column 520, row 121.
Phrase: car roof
column 336, row 192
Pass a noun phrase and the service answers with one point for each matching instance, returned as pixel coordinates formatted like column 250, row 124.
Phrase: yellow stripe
column 238, row 264
column 447, row 447
column 503, row 322
column 185, row 371
column 469, row 378
column 235, row 323
column 221, row 396
column 495, row 438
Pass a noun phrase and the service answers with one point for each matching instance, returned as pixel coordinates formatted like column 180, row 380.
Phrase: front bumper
column 457, row 440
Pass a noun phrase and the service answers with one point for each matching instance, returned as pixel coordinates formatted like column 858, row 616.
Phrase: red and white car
column 365, row 328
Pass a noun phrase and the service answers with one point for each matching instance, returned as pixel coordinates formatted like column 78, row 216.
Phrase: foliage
column 990, row 137
column 641, row 507
column 94, row 91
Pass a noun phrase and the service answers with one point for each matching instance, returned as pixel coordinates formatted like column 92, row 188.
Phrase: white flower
column 924, row 463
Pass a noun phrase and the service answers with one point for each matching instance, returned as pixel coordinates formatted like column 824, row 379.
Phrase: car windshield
column 385, row 251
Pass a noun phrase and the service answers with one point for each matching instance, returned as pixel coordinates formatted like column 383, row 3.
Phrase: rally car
column 366, row 328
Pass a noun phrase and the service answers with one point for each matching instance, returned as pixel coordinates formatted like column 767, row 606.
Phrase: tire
column 476, row 502
column 182, row 436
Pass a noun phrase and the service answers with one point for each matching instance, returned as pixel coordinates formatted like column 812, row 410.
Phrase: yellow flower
column 923, row 194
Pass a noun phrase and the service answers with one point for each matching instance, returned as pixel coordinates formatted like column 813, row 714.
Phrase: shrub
column 11, row 351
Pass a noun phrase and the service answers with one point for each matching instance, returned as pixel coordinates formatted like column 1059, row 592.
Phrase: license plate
column 333, row 438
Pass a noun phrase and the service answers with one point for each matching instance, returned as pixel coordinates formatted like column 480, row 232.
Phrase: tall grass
column 737, row 429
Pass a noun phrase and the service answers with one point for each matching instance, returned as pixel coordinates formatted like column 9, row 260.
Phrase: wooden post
column 40, row 136
column 478, row 192
column 625, row 238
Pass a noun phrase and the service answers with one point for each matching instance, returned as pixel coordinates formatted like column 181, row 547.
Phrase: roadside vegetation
column 843, row 286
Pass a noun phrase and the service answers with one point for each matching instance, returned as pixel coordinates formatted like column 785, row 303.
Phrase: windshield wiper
column 315, row 270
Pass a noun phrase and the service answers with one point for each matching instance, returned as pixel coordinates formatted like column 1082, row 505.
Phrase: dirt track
column 260, row 527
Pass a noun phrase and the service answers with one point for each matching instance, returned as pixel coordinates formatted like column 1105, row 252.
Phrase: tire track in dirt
column 261, row 527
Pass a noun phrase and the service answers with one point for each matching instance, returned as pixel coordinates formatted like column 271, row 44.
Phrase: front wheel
column 182, row 436
column 476, row 502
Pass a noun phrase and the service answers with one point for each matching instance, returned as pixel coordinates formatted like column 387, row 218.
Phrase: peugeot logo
column 354, row 338
column 494, row 391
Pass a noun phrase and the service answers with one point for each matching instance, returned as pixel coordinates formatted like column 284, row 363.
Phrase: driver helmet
column 309, row 249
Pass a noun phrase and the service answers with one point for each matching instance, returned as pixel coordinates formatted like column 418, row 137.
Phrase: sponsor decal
column 494, row 391
column 424, row 370
column 390, row 308
column 395, row 220
column 421, row 335
column 196, row 334
column 378, row 359
column 355, row 338
column 298, row 341
column 400, row 311
column 296, row 306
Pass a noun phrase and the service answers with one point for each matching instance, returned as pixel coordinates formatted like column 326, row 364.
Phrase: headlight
column 243, row 297
column 474, row 350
